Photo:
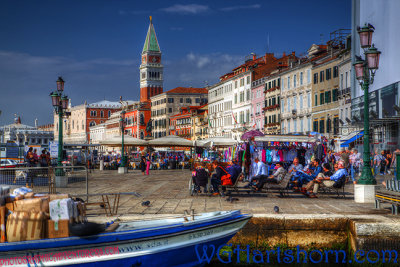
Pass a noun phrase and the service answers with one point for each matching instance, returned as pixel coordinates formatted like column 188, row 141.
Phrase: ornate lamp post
column 365, row 71
column 60, row 104
column 122, row 123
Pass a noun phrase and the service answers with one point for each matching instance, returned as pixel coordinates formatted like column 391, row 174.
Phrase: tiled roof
column 187, row 90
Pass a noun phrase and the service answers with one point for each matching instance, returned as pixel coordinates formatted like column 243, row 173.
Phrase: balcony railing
column 271, row 89
column 277, row 106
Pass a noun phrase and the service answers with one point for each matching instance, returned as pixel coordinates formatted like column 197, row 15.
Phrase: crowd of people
column 333, row 171
column 32, row 159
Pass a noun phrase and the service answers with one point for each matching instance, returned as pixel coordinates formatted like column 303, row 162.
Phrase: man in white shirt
column 261, row 171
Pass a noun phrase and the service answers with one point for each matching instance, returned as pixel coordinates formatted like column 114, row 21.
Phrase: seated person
column 234, row 170
column 200, row 178
column 261, row 171
column 275, row 178
column 303, row 178
column 326, row 169
column 216, row 178
column 338, row 177
column 296, row 166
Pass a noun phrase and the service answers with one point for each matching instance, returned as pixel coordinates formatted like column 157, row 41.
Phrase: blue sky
column 96, row 45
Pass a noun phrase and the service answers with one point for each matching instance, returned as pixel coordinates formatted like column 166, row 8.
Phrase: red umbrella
column 251, row 134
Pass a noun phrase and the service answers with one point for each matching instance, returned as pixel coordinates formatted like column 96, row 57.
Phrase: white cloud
column 186, row 9
column 233, row 8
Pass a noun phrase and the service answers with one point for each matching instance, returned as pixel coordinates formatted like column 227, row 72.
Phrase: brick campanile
column 151, row 69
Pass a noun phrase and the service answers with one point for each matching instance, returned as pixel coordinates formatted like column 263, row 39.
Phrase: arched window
column 92, row 123
column 141, row 135
column 109, row 113
column 101, row 113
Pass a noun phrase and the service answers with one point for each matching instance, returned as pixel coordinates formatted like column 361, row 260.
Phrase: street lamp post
column 122, row 121
column 60, row 104
column 365, row 72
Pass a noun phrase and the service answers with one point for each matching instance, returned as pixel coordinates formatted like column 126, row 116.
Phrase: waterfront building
column 296, row 97
column 23, row 134
column 220, row 101
column 199, row 122
column 272, row 103
column 347, row 129
column 76, row 128
column 168, row 104
column 181, row 123
column 325, row 90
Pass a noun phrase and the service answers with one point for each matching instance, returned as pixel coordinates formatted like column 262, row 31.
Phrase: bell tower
column 151, row 69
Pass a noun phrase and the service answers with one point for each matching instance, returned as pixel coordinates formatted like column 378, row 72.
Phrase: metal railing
column 46, row 179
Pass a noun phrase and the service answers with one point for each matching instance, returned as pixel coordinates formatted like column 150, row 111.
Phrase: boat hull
column 189, row 244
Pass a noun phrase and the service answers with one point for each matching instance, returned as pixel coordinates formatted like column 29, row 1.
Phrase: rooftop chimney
column 254, row 56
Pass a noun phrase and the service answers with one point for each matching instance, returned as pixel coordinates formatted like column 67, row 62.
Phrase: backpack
column 226, row 179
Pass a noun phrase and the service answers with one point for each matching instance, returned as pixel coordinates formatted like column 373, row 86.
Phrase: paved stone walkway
column 167, row 191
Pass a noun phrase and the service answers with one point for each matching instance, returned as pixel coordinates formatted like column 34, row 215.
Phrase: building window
column 301, row 101
column 282, row 105
column 188, row 100
column 92, row 123
column 170, row 100
column 321, row 126
column 93, row 113
column 309, row 124
column 321, row 76
column 335, row 93
column 316, row 100
column 308, row 76
column 181, row 100
column 315, row 78
column 301, row 125
column 335, row 126
column 197, row 100
column 328, row 126
column 335, row 71
column 109, row 113
column 328, row 74
column 301, row 78
column 315, row 126
column 288, row 126
column 248, row 94
column 294, row 81
column 248, row 79
column 102, row 113
column 288, row 83
column 169, row 110
column 328, row 97
column 288, row 105
column 308, row 100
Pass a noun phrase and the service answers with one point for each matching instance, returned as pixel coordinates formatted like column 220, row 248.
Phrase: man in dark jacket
column 234, row 170
column 216, row 178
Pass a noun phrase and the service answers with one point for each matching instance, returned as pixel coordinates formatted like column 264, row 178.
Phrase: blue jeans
column 302, row 178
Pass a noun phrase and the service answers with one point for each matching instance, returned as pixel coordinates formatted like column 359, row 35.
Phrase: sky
column 96, row 45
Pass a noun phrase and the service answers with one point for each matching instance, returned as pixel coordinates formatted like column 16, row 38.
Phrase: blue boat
column 162, row 242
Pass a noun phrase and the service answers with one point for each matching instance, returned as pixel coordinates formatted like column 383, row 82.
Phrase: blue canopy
column 351, row 140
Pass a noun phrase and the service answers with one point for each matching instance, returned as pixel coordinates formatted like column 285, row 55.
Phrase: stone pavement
column 167, row 191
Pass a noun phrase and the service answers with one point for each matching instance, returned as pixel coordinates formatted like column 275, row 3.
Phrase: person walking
column 143, row 165
column 148, row 163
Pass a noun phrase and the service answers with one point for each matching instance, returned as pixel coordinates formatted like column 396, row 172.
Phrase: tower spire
column 151, row 43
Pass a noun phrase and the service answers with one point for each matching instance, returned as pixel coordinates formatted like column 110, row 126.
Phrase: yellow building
column 325, row 91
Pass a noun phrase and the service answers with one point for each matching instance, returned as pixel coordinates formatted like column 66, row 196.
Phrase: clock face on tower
column 154, row 59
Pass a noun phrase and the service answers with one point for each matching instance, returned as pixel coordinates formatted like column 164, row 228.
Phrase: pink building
column 258, row 105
